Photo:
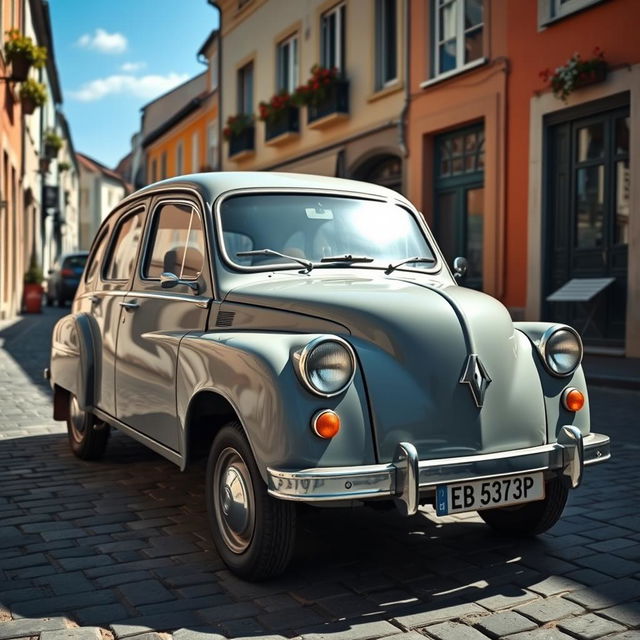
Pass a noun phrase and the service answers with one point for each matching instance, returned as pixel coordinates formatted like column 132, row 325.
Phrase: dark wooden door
column 588, row 219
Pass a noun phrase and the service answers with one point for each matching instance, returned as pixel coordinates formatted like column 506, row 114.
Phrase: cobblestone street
column 120, row 548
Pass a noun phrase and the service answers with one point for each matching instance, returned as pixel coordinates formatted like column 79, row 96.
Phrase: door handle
column 94, row 299
column 134, row 304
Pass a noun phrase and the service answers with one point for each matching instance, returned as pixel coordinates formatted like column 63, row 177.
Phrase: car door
column 103, row 302
column 155, row 319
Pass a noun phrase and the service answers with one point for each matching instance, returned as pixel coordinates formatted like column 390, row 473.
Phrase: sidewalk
column 610, row 371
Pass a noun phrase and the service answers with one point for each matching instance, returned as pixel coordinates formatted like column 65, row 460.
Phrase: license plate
column 486, row 494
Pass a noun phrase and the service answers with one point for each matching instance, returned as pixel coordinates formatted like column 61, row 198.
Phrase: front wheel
column 532, row 518
column 253, row 532
column 87, row 436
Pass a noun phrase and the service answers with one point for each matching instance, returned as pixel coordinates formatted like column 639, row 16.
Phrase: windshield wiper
column 307, row 264
column 348, row 258
column 393, row 267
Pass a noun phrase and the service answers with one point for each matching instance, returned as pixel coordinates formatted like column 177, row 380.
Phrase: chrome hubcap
column 78, row 420
column 234, row 500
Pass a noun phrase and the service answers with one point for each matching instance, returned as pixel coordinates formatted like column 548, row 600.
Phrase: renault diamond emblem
column 476, row 376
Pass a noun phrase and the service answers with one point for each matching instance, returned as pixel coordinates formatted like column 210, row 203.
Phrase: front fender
column 553, row 386
column 255, row 373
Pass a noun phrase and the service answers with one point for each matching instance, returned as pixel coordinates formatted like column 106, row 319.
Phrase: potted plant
column 52, row 144
column 240, row 133
column 32, row 94
column 280, row 115
column 325, row 93
column 63, row 166
column 33, row 288
column 576, row 73
column 22, row 53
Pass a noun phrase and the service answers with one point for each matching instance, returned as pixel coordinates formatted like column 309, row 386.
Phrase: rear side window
column 176, row 243
column 122, row 256
column 95, row 258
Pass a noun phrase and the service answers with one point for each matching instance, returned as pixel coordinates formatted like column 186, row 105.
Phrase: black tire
column 532, row 518
column 87, row 436
column 49, row 301
column 255, row 533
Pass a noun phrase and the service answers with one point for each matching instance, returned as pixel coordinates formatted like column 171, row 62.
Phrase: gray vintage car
column 307, row 335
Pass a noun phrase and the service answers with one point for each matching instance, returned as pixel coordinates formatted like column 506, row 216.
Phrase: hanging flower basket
column 32, row 95
column 575, row 74
column 23, row 53
column 52, row 144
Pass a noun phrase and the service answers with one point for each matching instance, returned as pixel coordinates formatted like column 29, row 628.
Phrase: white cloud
column 103, row 41
column 132, row 67
column 146, row 87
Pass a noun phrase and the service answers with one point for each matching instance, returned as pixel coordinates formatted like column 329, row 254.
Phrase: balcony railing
column 336, row 102
column 243, row 142
column 288, row 121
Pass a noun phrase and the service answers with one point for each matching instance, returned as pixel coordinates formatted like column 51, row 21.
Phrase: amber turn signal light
column 326, row 423
column 572, row 399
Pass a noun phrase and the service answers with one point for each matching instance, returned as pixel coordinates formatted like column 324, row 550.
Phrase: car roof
column 218, row 182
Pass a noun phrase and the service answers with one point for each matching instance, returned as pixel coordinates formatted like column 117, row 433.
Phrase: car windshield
column 314, row 227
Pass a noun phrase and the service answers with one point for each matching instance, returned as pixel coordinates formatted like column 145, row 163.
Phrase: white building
column 101, row 189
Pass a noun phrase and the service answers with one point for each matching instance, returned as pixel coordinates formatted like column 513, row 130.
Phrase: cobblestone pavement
column 120, row 548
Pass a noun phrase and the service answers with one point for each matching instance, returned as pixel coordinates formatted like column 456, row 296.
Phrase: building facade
column 100, row 190
column 14, row 223
column 535, row 189
column 354, row 126
column 179, row 131
column 573, row 192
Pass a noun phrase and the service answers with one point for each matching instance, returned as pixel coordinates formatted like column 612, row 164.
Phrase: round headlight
column 562, row 350
column 327, row 366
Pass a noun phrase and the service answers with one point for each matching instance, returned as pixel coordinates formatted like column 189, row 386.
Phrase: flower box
column 283, row 127
column 242, row 144
column 334, row 105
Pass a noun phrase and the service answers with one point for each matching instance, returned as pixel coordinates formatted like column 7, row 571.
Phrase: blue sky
column 113, row 57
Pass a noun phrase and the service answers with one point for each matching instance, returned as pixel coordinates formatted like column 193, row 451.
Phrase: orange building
column 534, row 189
column 573, row 188
column 180, row 128
column 14, row 255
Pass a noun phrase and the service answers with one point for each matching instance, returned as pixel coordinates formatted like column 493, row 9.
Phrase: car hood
column 414, row 338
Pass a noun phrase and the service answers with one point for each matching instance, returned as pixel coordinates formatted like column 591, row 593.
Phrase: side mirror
column 460, row 266
column 169, row 280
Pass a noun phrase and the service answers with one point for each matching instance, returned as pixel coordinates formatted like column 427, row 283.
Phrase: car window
column 122, row 256
column 318, row 226
column 75, row 263
column 95, row 258
column 176, row 243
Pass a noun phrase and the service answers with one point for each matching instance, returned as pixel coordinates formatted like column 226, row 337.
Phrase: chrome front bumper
column 407, row 476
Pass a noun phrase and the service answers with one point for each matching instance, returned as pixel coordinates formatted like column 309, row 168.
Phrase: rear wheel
column 253, row 532
column 532, row 518
column 87, row 436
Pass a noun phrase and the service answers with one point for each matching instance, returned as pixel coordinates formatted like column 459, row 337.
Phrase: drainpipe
column 215, row 5
column 402, row 127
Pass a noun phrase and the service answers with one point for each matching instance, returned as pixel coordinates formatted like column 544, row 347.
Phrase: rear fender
column 74, row 358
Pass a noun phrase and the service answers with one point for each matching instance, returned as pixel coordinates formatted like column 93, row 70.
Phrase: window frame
column 550, row 11
column 91, row 258
column 460, row 34
column 293, row 68
column 195, row 152
column 129, row 213
column 180, row 158
column 149, row 237
column 164, row 169
column 382, row 46
column 241, row 97
column 340, row 12
column 212, row 149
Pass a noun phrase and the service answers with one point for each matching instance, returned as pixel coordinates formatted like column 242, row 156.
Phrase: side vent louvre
column 225, row 318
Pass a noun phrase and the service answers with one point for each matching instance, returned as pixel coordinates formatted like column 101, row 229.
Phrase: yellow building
column 351, row 120
column 180, row 128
